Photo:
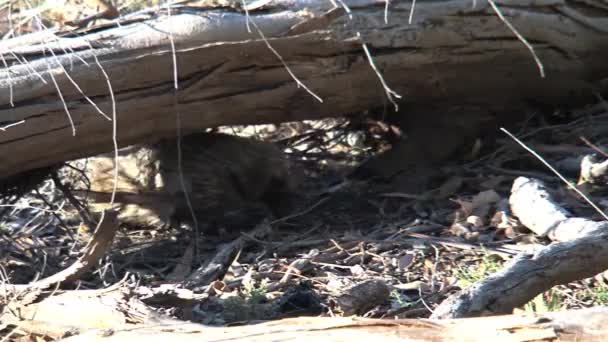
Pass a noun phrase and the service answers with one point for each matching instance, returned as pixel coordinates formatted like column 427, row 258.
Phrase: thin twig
column 4, row 128
column 595, row 147
column 247, row 17
column 276, row 53
column 70, row 54
column 173, row 52
column 75, row 84
column 10, row 79
column 65, row 105
column 389, row 92
column 556, row 173
column 346, row 9
column 411, row 17
column 521, row 38
column 309, row 209
column 27, row 64
column 178, row 127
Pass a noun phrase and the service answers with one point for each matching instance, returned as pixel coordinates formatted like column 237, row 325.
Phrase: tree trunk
column 456, row 55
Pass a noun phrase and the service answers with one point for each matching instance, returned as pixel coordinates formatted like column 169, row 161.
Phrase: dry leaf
column 406, row 260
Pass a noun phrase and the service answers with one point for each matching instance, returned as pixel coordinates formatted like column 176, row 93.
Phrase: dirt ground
column 353, row 246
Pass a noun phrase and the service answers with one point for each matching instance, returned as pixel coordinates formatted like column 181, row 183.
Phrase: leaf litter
column 353, row 247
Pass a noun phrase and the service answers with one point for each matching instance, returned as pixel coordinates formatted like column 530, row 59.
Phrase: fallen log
column 112, row 316
column 299, row 60
column 579, row 325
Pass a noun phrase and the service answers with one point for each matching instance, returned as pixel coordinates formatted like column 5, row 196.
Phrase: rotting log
column 456, row 55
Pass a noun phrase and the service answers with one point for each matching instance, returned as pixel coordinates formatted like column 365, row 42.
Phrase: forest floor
column 352, row 247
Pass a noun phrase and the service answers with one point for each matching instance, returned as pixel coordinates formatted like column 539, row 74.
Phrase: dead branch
column 534, row 206
column 216, row 267
column 582, row 253
column 95, row 249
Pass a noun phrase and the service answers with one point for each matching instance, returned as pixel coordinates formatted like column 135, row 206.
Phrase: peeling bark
column 453, row 56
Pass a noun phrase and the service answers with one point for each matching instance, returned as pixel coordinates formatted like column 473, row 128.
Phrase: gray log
column 453, row 53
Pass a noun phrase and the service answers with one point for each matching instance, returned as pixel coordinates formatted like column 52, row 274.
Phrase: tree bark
column 455, row 56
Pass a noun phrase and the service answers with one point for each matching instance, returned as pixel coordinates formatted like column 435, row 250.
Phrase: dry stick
column 10, row 79
column 219, row 264
column 346, row 9
column 11, row 333
column 36, row 16
column 114, row 128
column 178, row 127
column 434, row 271
column 24, row 19
column 25, row 228
column 537, row 156
column 65, row 105
column 107, row 230
column 82, row 210
column 304, row 212
column 387, row 90
column 113, row 119
column 298, row 82
column 105, row 10
column 4, row 279
column 19, row 206
column 11, row 34
column 74, row 83
column 94, row 250
column 27, row 64
column 521, row 38
column 65, row 51
column 114, row 122
column 63, row 225
column 531, row 273
column 102, row 228
column 247, row 17
column 9, row 15
column 173, row 52
column 593, row 146
column 411, row 11
column 4, row 128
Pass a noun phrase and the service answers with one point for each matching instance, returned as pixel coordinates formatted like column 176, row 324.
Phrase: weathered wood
column 113, row 314
column 579, row 325
column 453, row 55
column 536, row 209
column 95, row 249
column 581, row 253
